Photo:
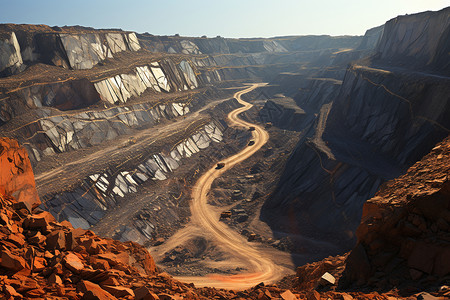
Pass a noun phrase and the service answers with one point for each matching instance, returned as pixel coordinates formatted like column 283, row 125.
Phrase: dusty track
column 205, row 222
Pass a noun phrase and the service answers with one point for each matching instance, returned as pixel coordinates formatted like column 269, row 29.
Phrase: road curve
column 260, row 267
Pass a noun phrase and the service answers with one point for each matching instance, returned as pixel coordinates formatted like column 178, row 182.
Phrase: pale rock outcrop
column 189, row 47
column 84, row 50
column 10, row 57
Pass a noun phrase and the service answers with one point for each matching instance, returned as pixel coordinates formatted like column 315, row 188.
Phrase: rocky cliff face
column 68, row 47
column 404, row 231
column 403, row 240
column 382, row 121
column 419, row 40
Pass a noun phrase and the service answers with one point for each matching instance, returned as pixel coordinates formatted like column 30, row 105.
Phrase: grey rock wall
column 164, row 76
column 415, row 40
column 81, row 50
column 10, row 57
column 87, row 204
column 380, row 123
column 61, row 133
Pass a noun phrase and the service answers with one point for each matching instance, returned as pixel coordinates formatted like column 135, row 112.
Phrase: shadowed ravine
column 205, row 221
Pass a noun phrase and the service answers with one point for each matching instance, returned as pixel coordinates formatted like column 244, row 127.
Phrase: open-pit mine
column 136, row 166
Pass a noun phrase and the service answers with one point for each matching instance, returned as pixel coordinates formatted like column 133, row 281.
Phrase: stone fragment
column 287, row 295
column 11, row 292
column 16, row 239
column 111, row 281
column 327, row 279
column 55, row 279
column 119, row 291
column 39, row 264
column 345, row 296
column 144, row 293
column 11, row 261
column 56, row 240
column 426, row 296
column 93, row 291
column 91, row 246
column 73, row 263
column 37, row 239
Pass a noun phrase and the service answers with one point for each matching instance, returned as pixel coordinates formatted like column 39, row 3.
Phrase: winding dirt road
column 205, row 222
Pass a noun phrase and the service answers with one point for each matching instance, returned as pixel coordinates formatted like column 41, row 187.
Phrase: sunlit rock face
column 79, row 49
column 86, row 50
column 10, row 57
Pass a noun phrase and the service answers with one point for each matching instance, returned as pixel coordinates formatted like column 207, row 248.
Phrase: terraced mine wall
column 68, row 47
column 162, row 76
column 191, row 45
column 384, row 119
column 86, row 204
column 61, row 133
column 222, row 59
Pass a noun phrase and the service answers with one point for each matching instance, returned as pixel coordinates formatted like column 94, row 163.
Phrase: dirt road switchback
column 257, row 261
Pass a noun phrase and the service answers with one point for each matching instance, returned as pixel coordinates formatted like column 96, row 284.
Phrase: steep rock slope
column 419, row 40
column 404, row 231
column 403, row 238
column 383, row 120
column 68, row 47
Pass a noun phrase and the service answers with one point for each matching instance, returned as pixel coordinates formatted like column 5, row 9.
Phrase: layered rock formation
column 85, row 205
column 419, row 40
column 383, row 120
column 68, row 47
column 190, row 45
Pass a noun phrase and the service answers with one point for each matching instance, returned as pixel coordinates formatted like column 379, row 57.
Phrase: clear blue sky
column 228, row 18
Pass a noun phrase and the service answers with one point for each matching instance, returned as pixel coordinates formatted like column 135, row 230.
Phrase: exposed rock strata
column 68, row 47
column 10, row 58
column 86, row 205
column 419, row 40
column 382, row 121
column 164, row 76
